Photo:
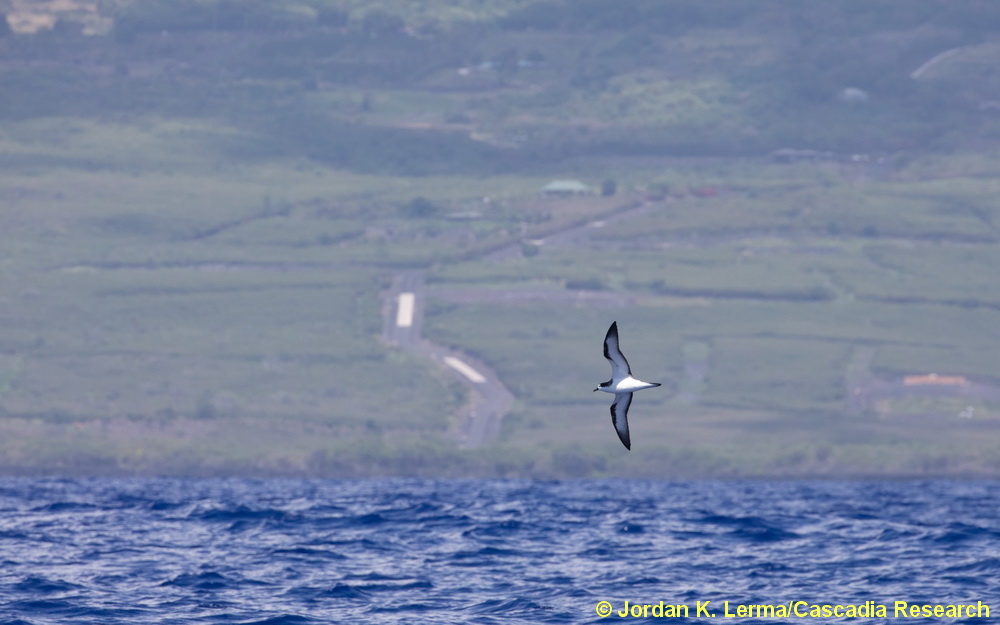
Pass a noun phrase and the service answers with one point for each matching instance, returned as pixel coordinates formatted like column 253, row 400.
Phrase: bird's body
column 625, row 385
column 621, row 384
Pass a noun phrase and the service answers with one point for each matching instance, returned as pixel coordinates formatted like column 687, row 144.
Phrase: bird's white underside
column 626, row 385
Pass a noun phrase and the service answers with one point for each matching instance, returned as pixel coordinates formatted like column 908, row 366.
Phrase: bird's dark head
column 602, row 385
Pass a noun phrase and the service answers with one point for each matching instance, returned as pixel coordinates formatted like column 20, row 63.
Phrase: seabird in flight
column 622, row 384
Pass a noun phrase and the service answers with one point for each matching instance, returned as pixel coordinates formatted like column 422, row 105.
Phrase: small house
column 935, row 379
column 566, row 187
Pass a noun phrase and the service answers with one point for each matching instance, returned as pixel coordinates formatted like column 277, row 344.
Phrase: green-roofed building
column 566, row 187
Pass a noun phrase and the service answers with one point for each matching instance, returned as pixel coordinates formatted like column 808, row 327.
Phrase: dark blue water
column 422, row 551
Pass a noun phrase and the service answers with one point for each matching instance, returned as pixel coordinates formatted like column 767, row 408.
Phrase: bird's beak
column 597, row 389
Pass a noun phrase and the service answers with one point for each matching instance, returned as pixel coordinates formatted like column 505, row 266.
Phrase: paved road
column 572, row 235
column 403, row 317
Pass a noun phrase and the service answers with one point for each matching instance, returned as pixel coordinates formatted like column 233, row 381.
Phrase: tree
column 378, row 22
column 419, row 208
column 535, row 57
column 331, row 18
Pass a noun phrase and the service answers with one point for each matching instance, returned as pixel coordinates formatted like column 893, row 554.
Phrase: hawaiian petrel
column 622, row 384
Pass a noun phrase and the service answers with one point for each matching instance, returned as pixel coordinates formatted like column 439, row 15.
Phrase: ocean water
column 107, row 551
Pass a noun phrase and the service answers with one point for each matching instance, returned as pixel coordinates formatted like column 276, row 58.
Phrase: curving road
column 403, row 317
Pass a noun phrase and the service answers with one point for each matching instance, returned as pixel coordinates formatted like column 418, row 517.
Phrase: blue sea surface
column 296, row 552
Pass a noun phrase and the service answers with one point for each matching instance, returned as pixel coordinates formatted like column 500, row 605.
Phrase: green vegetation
column 204, row 201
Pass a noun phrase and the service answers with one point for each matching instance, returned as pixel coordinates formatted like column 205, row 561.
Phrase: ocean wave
column 400, row 551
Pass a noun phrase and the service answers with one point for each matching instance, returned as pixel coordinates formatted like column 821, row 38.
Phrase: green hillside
column 204, row 201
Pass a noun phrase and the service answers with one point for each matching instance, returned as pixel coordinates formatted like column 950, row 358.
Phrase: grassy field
column 777, row 306
column 201, row 215
column 127, row 330
column 235, row 327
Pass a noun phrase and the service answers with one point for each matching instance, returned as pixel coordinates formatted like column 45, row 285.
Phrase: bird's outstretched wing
column 619, row 417
column 619, row 366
